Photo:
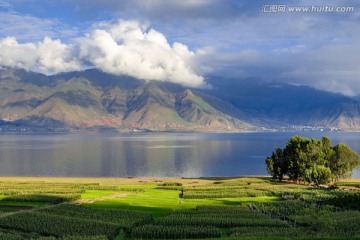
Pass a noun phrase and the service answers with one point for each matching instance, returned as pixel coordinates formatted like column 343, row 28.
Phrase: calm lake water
column 147, row 154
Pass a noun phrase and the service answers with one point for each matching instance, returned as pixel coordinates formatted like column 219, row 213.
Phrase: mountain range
column 92, row 99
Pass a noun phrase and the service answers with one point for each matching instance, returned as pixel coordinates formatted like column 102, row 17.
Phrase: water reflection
column 146, row 155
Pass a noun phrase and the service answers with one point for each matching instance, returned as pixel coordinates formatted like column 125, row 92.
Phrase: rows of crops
column 39, row 191
column 206, row 221
column 266, row 232
column 52, row 192
column 13, row 187
column 283, row 209
column 174, row 232
column 55, row 225
column 41, row 187
column 305, row 212
column 123, row 218
column 20, row 236
column 349, row 184
column 340, row 198
column 72, row 220
column 222, row 193
column 46, row 198
column 344, row 199
column 11, row 236
column 242, row 187
column 323, row 220
column 219, row 220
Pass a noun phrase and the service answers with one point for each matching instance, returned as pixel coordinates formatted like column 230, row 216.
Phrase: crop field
column 215, row 208
column 349, row 184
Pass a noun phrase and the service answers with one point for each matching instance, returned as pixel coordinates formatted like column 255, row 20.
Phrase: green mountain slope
column 89, row 99
column 93, row 99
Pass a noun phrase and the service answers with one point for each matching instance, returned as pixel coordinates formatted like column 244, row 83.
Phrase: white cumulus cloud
column 55, row 56
column 131, row 48
column 48, row 55
column 120, row 48
column 13, row 54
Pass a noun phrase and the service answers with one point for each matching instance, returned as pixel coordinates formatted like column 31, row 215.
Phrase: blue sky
column 230, row 38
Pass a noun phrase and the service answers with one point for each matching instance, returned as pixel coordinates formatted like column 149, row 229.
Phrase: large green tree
column 312, row 160
column 318, row 174
column 276, row 164
column 343, row 161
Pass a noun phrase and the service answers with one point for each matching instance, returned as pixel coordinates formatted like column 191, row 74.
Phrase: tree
column 318, row 174
column 313, row 161
column 343, row 161
column 276, row 165
column 297, row 156
column 328, row 150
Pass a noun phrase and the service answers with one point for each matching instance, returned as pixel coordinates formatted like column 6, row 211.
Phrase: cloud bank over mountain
column 131, row 48
column 117, row 47
column 47, row 56
column 236, row 39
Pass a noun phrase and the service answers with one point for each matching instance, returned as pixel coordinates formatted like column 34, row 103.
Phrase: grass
column 90, row 194
column 161, row 202
column 147, row 194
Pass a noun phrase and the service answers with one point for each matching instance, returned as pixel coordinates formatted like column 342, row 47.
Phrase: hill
column 92, row 99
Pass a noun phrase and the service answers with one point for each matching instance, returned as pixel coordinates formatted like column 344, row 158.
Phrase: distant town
column 9, row 128
column 303, row 128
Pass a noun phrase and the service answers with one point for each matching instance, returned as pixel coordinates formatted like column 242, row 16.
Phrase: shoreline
column 214, row 178
column 134, row 178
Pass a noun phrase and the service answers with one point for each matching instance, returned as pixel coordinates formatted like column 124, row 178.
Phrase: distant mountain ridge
column 279, row 104
column 92, row 99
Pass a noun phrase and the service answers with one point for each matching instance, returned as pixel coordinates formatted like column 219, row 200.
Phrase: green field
column 217, row 208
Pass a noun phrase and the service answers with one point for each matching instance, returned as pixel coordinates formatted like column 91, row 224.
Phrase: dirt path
column 27, row 209
column 349, row 188
column 31, row 208
column 116, row 195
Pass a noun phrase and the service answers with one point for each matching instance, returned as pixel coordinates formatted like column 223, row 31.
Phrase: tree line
column 312, row 161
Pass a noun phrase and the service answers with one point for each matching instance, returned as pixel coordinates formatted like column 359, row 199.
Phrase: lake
column 147, row 154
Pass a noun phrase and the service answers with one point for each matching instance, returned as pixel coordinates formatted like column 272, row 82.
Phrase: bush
column 297, row 195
